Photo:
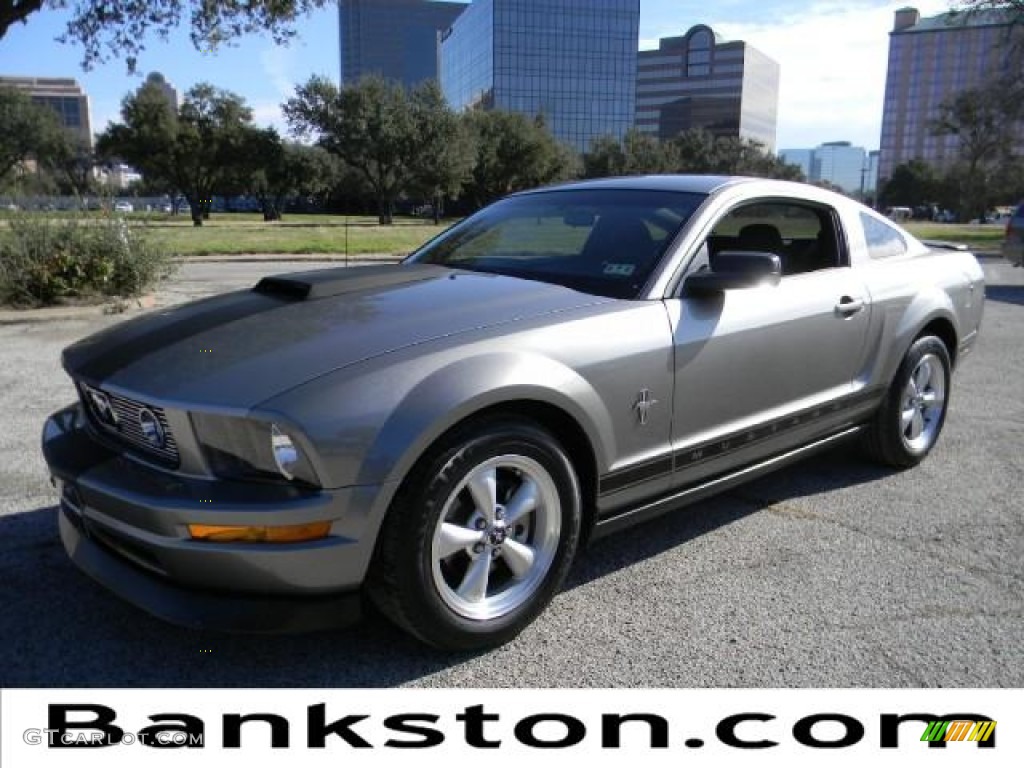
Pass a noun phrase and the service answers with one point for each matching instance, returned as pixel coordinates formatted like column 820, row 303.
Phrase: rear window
column 883, row 240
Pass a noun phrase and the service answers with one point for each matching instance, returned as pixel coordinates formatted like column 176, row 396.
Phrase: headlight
column 286, row 455
column 247, row 449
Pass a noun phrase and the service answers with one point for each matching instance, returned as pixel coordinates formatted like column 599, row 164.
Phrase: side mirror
column 734, row 269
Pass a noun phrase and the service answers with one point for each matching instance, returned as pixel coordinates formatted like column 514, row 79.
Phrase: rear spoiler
column 945, row 245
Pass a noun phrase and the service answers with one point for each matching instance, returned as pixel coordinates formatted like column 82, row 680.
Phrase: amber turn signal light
column 275, row 534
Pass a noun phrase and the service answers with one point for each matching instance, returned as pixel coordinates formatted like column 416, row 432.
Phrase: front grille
column 128, row 420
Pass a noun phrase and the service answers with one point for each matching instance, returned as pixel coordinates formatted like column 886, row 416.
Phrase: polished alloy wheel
column 923, row 404
column 496, row 537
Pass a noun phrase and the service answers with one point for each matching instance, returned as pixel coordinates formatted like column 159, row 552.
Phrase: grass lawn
column 241, row 233
column 231, row 233
column 977, row 237
column 234, row 233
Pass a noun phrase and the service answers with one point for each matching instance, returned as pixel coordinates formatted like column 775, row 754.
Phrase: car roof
column 668, row 182
column 705, row 185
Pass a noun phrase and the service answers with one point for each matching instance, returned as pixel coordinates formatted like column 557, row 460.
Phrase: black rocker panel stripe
column 713, row 449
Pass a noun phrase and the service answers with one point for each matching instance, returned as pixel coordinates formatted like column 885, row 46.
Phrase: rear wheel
column 907, row 425
column 480, row 538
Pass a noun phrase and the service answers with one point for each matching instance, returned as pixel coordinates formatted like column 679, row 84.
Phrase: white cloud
column 833, row 59
column 268, row 114
column 278, row 63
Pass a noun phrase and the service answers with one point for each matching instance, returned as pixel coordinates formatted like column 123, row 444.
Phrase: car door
column 762, row 369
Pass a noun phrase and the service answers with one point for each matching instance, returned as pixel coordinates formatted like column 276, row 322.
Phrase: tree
column 912, row 184
column 514, row 153
column 119, row 28
column 700, row 151
column 72, row 163
column 985, row 122
column 202, row 149
column 27, row 130
column 696, row 151
column 289, row 169
column 636, row 153
column 443, row 159
column 369, row 125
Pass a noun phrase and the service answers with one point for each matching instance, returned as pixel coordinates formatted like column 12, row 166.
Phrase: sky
column 832, row 57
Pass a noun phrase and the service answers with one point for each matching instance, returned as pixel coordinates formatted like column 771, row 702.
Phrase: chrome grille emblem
column 101, row 407
column 152, row 429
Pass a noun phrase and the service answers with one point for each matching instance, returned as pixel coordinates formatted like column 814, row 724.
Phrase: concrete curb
column 56, row 314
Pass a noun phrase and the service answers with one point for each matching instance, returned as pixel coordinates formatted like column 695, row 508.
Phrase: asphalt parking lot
column 833, row 573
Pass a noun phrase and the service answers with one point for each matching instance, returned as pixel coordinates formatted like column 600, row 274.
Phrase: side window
column 883, row 241
column 802, row 236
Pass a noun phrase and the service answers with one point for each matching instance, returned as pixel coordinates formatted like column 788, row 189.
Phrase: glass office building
column 572, row 62
column 699, row 80
column 930, row 60
column 61, row 94
column 396, row 39
column 850, row 168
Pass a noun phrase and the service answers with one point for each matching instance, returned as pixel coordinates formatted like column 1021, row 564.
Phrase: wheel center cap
column 496, row 536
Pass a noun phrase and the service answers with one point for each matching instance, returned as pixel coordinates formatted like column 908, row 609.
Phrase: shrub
column 47, row 261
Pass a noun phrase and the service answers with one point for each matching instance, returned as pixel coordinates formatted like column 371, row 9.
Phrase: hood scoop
column 337, row 281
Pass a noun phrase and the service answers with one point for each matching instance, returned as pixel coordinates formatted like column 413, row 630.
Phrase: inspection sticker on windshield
column 620, row 270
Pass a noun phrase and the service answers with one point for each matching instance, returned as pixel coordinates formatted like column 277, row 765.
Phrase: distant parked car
column 1013, row 243
column 123, row 206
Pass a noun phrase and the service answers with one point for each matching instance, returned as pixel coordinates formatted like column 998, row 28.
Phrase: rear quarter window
column 883, row 241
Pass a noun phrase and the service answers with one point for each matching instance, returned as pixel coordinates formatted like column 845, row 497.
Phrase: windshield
column 601, row 241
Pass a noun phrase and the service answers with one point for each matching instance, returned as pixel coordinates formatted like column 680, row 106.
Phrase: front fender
column 370, row 427
column 467, row 386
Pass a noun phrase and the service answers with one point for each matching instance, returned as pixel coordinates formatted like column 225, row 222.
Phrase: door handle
column 849, row 305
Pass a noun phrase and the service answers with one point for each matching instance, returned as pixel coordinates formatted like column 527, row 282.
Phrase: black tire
column 418, row 589
column 889, row 438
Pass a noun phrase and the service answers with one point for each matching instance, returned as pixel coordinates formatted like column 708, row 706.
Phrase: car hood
column 241, row 348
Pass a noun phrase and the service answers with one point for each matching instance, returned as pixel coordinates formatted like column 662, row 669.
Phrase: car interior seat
column 761, row 237
column 619, row 239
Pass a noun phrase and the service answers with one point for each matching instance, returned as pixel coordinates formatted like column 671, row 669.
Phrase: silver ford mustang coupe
column 442, row 435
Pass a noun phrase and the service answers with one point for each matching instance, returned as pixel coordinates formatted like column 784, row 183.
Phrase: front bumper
column 125, row 524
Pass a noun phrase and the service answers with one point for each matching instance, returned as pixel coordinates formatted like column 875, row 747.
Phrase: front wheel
column 480, row 537
column 907, row 425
